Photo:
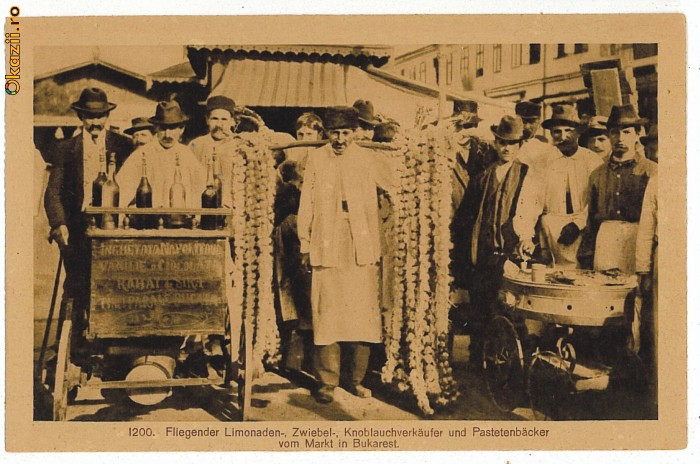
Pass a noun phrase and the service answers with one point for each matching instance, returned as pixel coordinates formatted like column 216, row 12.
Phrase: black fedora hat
column 563, row 115
column 510, row 128
column 93, row 100
column 624, row 116
column 138, row 124
column 168, row 113
column 365, row 109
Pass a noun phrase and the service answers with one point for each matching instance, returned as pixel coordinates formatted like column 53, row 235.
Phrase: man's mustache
column 93, row 127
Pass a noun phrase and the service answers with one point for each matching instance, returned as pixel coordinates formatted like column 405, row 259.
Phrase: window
column 497, row 57
column 403, row 72
column 614, row 49
column 479, row 60
column 580, row 48
column 516, row 55
column 561, row 50
column 413, row 73
column 448, row 68
column 464, row 63
column 535, row 53
column 645, row 50
column 422, row 72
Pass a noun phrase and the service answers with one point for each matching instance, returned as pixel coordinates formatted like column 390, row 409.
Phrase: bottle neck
column 210, row 174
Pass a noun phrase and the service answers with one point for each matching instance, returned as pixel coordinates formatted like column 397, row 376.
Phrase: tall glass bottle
column 218, row 185
column 97, row 184
column 178, row 197
column 110, row 195
column 209, row 199
column 144, row 199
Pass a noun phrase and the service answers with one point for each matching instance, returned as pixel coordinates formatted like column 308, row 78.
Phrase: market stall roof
column 284, row 83
column 177, row 73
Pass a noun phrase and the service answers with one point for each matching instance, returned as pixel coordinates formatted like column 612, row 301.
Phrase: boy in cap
column 616, row 190
column 651, row 143
column 339, row 234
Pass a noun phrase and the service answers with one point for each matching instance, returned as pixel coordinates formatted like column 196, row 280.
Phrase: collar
column 615, row 165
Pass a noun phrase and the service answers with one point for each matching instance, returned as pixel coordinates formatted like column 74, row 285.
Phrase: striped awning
column 283, row 83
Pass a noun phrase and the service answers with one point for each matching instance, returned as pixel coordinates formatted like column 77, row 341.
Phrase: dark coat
column 63, row 199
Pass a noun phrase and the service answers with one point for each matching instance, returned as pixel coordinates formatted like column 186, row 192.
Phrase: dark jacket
column 63, row 199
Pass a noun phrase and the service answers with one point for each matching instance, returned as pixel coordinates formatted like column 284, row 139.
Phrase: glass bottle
column 97, row 184
column 209, row 199
column 110, row 195
column 218, row 185
column 144, row 199
column 178, row 197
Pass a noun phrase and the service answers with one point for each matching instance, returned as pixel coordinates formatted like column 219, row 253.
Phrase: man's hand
column 306, row 262
column 60, row 236
column 526, row 248
column 644, row 282
column 569, row 234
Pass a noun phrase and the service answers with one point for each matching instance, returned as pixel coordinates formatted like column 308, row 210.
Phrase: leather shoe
column 360, row 391
column 324, row 395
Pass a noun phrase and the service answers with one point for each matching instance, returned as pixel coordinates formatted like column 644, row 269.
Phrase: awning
column 281, row 83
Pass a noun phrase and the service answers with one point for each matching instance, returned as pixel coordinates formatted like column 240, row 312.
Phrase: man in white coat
column 565, row 193
column 339, row 235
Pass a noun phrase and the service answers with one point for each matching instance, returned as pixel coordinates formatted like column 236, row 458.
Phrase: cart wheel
column 61, row 387
column 503, row 363
column 550, row 387
column 245, row 371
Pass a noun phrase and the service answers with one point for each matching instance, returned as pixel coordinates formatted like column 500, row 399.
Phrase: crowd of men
column 567, row 202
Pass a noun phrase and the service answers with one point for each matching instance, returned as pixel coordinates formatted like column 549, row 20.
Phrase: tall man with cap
column 68, row 193
column 565, row 188
column 141, row 132
column 161, row 156
column 536, row 151
column 616, row 190
column 339, row 234
column 500, row 226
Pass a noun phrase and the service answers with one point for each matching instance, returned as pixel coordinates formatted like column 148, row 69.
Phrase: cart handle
column 164, row 211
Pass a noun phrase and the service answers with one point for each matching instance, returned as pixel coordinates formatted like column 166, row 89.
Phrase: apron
column 615, row 246
column 564, row 256
column 345, row 299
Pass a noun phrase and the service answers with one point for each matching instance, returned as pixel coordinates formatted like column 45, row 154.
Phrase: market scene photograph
column 345, row 232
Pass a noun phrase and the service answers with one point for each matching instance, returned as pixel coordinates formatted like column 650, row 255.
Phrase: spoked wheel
column 244, row 376
column 61, row 385
column 503, row 364
column 550, row 385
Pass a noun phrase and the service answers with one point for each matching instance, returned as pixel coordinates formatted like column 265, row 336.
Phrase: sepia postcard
column 345, row 233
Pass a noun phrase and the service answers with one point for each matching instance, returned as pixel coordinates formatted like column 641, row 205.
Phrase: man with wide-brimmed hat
column 616, row 190
column 161, row 156
column 77, row 162
column 339, row 233
column 536, row 151
column 594, row 136
column 499, row 211
column 565, row 188
column 366, row 120
column 141, row 131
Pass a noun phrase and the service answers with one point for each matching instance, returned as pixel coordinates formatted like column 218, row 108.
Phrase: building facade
column 547, row 73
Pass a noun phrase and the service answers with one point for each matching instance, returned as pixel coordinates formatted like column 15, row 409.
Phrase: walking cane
column 44, row 343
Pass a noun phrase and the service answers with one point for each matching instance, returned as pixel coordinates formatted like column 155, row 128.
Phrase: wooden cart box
column 157, row 282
